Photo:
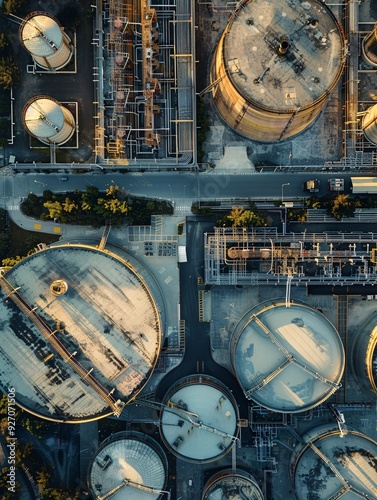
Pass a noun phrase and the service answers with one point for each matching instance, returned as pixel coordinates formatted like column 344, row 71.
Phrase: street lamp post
column 285, row 208
column 39, row 182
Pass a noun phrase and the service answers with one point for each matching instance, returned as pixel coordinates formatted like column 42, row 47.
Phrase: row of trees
column 93, row 208
column 337, row 206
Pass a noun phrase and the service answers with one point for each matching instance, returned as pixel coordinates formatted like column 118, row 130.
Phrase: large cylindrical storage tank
column 369, row 47
column 232, row 484
column 47, row 120
column 44, row 38
column 83, row 337
column 275, row 65
column 330, row 466
column 369, row 124
column 287, row 359
column 128, row 465
column 364, row 355
column 199, row 422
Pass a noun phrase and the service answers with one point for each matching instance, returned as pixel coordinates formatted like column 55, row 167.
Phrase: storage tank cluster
column 287, row 359
column 275, row 66
column 51, row 49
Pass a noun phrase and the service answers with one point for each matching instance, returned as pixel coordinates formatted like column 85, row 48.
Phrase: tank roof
column 105, row 326
column 310, row 67
column 287, row 359
column 44, row 117
column 351, row 467
column 208, row 404
column 233, row 486
column 125, row 465
column 41, row 34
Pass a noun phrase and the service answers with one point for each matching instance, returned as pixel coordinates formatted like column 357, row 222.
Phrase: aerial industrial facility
column 239, row 358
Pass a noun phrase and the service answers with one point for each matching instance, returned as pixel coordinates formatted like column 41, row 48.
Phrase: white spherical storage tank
column 47, row 120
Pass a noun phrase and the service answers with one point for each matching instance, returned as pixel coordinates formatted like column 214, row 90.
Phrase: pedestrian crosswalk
column 182, row 209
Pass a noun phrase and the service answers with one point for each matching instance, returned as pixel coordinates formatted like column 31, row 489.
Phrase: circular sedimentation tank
column 85, row 352
column 275, row 66
column 287, row 359
column 230, row 484
column 128, row 465
column 364, row 355
column 44, row 38
column 47, row 120
column 369, row 47
column 199, row 419
column 369, row 124
column 328, row 466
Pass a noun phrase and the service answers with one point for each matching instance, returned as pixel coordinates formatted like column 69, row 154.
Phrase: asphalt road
column 185, row 187
column 198, row 356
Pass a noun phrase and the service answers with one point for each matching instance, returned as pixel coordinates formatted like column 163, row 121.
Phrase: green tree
column 69, row 205
column 32, row 206
column 11, row 261
column 43, row 477
column 12, row 6
column 4, row 43
column 58, row 494
column 89, row 198
column 9, row 73
column 112, row 206
column 239, row 217
column 36, row 426
column 54, row 208
column 48, row 195
column 341, row 206
column 24, row 453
